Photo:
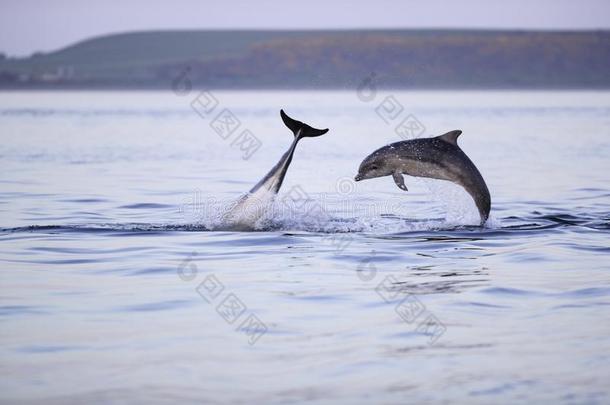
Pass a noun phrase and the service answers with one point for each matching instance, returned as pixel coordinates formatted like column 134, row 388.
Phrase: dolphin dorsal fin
column 451, row 136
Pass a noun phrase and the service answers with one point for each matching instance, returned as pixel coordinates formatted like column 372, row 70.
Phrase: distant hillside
column 322, row 59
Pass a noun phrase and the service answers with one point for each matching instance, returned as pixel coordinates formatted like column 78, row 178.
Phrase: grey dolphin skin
column 251, row 206
column 437, row 158
column 274, row 179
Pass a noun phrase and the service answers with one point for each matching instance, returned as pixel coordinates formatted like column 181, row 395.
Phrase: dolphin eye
column 373, row 167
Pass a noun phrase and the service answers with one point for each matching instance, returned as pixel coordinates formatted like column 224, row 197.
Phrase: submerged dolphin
column 437, row 158
column 245, row 213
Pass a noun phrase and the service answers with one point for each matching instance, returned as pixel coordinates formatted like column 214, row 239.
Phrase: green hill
column 322, row 59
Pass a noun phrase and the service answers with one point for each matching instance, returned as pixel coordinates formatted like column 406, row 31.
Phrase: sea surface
column 119, row 283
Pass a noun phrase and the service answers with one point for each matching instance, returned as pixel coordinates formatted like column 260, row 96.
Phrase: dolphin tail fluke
column 300, row 129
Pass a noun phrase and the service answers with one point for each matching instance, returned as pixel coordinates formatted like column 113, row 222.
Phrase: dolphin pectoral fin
column 400, row 181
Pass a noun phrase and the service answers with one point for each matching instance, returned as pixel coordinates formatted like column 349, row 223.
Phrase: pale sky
column 27, row 26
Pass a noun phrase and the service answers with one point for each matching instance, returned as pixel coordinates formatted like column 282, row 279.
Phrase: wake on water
column 386, row 225
column 338, row 214
column 315, row 221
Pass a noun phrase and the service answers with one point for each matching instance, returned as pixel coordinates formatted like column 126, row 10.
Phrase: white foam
column 324, row 213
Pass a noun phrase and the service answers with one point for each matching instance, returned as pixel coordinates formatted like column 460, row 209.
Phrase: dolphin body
column 437, row 158
column 249, row 208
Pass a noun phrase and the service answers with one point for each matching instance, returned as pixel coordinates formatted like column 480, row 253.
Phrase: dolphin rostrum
column 247, row 210
column 437, row 158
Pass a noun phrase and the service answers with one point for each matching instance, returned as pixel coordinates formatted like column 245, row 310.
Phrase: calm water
column 117, row 286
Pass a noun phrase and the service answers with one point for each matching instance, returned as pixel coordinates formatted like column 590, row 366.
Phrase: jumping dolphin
column 437, row 158
column 245, row 213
